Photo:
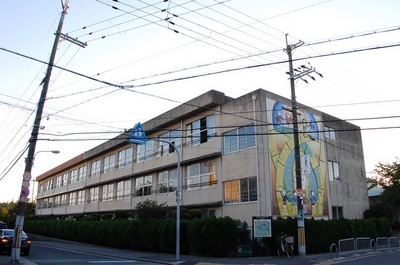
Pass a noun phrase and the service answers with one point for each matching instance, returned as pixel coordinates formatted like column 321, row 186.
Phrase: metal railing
column 355, row 246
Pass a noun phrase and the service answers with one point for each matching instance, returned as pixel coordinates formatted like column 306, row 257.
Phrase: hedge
column 206, row 236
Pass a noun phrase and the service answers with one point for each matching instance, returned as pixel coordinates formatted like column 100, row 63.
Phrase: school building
column 236, row 158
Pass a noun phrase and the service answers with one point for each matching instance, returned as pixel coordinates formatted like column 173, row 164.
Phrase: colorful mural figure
column 281, row 145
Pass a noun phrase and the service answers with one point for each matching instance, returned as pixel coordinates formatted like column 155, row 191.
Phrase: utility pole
column 300, row 214
column 301, row 71
column 19, row 222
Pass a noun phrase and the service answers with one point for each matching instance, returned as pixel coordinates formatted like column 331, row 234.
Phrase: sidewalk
column 161, row 258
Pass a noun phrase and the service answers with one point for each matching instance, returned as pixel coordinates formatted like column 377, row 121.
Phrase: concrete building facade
column 236, row 158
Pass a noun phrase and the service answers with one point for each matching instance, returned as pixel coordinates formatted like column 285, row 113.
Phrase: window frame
column 109, row 163
column 194, row 178
column 80, row 197
column 174, row 137
column 125, row 157
column 82, row 171
column 201, row 131
column 95, row 168
column 124, row 189
column 145, row 151
column 74, row 177
column 167, row 181
column 72, row 198
column 334, row 171
column 143, row 186
column 239, row 139
column 93, row 196
column 337, row 212
column 329, row 133
column 107, row 192
column 242, row 190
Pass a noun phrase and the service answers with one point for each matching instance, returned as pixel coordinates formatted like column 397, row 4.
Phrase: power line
column 128, row 87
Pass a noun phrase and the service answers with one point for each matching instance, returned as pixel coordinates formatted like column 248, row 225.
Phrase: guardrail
column 354, row 246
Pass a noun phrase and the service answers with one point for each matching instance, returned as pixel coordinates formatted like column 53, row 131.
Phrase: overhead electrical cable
column 203, row 36
column 127, row 87
column 339, row 38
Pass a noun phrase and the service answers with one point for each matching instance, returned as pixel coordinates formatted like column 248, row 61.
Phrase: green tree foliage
column 213, row 236
column 388, row 176
column 380, row 209
column 3, row 213
column 149, row 210
column 8, row 212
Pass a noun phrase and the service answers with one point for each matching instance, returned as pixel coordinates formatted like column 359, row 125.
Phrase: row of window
column 200, row 175
column 200, row 131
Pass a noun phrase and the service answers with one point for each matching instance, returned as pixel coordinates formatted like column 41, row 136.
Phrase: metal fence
column 354, row 246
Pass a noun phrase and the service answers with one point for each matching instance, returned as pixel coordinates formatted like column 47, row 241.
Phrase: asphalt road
column 387, row 258
column 43, row 255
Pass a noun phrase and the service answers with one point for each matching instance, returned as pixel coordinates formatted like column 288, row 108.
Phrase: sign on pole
column 137, row 135
column 262, row 226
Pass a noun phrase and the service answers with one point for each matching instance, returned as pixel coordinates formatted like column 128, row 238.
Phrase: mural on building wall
column 283, row 175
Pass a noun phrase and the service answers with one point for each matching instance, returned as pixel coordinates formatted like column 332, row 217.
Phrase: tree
column 379, row 209
column 388, row 177
column 148, row 210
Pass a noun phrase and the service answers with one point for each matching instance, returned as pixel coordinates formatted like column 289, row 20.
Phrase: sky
column 143, row 58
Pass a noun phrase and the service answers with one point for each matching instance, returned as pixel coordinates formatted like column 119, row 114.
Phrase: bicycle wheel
column 280, row 250
column 289, row 250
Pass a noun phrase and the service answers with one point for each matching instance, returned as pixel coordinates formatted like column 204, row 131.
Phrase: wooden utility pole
column 19, row 222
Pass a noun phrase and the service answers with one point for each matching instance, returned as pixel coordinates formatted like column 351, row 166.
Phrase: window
column 46, row 185
column 108, row 192
column 333, row 171
column 82, row 173
column 239, row 139
column 109, row 163
column 57, row 200
column 51, row 184
column 40, row 187
column 173, row 137
column 202, row 130
column 123, row 189
column 145, row 151
column 80, row 197
column 143, row 185
column 231, row 191
column 74, row 176
column 64, row 179
column 39, row 204
column 58, row 181
column 337, row 212
column 201, row 175
column 45, row 203
column 60, row 200
column 167, row 181
column 63, row 200
column 125, row 157
column 93, row 195
column 243, row 190
column 207, row 212
column 248, row 190
column 329, row 133
column 72, row 198
column 95, row 168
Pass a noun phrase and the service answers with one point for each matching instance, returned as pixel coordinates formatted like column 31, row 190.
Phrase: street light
column 56, row 152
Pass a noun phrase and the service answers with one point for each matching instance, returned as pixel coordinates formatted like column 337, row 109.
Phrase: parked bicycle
column 285, row 245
